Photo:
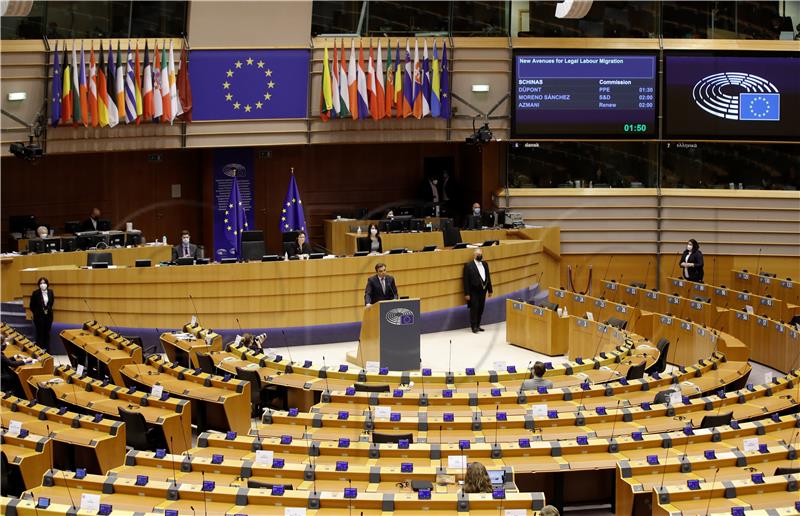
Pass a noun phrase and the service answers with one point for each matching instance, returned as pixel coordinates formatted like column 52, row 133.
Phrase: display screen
column 732, row 96
column 588, row 95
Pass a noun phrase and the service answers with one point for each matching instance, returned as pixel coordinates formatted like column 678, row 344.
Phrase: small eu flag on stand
column 235, row 217
column 292, row 217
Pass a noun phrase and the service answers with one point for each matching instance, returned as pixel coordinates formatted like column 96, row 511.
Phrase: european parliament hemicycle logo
column 716, row 94
column 400, row 316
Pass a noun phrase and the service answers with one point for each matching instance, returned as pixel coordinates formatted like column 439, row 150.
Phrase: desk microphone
column 496, row 423
column 172, row 458
column 450, row 359
column 614, row 424
column 596, row 351
column 522, row 383
column 440, row 435
column 63, row 475
column 192, row 508
column 350, row 500
column 672, row 272
column 194, row 306
column 90, row 309
column 664, row 471
column 185, row 443
column 327, row 387
column 112, row 320
column 35, row 504
column 605, row 276
column 711, row 491
column 288, row 351
column 205, row 500
column 239, row 324
column 422, row 379
column 758, row 261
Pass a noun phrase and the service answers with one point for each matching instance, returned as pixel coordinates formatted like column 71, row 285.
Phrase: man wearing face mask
column 474, row 218
column 91, row 224
column 42, row 310
column 477, row 285
column 185, row 249
column 692, row 262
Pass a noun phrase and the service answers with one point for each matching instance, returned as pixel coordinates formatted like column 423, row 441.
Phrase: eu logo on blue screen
column 760, row 106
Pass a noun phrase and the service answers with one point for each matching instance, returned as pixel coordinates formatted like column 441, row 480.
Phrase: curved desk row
column 281, row 294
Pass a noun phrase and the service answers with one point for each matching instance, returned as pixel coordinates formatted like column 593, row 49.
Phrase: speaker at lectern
column 390, row 335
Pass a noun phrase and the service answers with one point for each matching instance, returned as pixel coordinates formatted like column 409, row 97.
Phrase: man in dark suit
column 380, row 287
column 477, row 284
column 92, row 223
column 186, row 249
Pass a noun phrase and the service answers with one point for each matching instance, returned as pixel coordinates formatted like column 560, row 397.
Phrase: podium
column 389, row 335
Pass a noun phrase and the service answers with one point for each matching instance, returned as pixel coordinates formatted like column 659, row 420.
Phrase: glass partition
column 106, row 19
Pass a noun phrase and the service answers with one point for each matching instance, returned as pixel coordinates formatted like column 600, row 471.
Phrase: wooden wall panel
column 125, row 186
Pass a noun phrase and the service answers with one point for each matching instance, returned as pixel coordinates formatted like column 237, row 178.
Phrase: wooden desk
column 31, row 454
column 12, row 287
column 216, row 403
column 536, row 328
column 97, row 446
column 411, row 241
column 111, row 356
column 782, row 288
column 285, row 294
column 171, row 416
column 189, row 345
column 336, row 229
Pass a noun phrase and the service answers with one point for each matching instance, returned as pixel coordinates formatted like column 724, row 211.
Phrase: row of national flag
column 410, row 86
column 127, row 91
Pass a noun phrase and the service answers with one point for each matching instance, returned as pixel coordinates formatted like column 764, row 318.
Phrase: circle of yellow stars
column 229, row 74
column 283, row 213
column 225, row 220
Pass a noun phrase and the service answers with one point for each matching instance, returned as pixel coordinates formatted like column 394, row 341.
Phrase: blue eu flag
column 235, row 219
column 760, row 106
column 249, row 84
column 292, row 217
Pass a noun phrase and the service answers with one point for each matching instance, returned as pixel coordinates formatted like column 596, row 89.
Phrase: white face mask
column 476, row 211
column 689, row 248
column 185, row 240
column 435, row 181
column 373, row 231
column 43, row 286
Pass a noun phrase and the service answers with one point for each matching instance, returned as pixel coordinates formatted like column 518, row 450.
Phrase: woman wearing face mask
column 375, row 242
column 692, row 262
column 42, row 309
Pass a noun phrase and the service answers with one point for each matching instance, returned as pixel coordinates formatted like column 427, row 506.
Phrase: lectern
column 390, row 335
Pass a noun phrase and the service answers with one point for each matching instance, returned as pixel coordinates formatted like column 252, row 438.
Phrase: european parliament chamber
column 375, row 257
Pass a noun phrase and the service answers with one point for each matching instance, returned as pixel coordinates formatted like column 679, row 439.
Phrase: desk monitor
column 185, row 260
column 497, row 476
column 460, row 245
column 202, row 261
column 270, row 258
column 103, row 225
column 361, row 253
column 490, row 243
column 474, row 222
column 228, row 260
column 143, row 263
column 44, row 245
column 417, row 225
column 397, row 251
column 100, row 265
column 89, row 239
column 316, row 256
column 253, row 236
column 69, row 244
column 72, row 226
column 134, row 237
column 428, row 248
column 116, row 239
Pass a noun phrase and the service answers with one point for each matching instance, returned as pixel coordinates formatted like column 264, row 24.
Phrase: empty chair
column 379, row 438
column 206, row 363
column 703, row 299
column 660, row 365
column 638, row 284
column 252, row 251
column 47, row 396
column 786, row 471
column 549, row 305
column 636, row 372
column 11, row 483
column 182, row 358
column 662, row 396
column 620, row 324
column 375, row 387
column 716, row 420
column 260, row 395
column 137, row 435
